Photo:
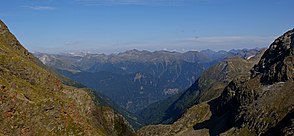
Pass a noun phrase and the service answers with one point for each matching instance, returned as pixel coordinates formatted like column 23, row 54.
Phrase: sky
column 110, row 26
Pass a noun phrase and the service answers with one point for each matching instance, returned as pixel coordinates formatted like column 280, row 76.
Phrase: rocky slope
column 261, row 103
column 34, row 101
column 257, row 104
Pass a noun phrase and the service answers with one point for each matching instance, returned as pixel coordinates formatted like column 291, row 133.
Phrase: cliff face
column 34, row 101
column 259, row 103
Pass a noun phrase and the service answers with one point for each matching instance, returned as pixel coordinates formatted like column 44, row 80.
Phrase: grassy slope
column 35, row 102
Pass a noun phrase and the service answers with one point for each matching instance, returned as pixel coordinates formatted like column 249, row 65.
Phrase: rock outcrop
column 277, row 63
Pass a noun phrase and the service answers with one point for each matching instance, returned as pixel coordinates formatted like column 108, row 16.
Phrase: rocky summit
column 258, row 103
column 34, row 101
column 277, row 63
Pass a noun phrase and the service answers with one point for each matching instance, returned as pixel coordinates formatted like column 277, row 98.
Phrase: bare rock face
column 277, row 64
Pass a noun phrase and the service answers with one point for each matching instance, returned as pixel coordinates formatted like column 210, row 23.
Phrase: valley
column 135, row 79
column 146, row 68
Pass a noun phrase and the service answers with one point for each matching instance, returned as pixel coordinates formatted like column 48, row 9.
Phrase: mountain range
column 135, row 79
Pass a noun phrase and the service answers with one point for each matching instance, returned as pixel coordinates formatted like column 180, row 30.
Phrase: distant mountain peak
column 133, row 50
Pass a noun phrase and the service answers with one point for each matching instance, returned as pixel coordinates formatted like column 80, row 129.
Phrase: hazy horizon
column 111, row 26
column 140, row 50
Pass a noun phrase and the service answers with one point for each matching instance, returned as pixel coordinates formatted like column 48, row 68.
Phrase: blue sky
column 116, row 25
